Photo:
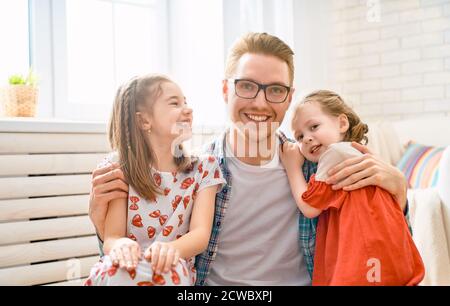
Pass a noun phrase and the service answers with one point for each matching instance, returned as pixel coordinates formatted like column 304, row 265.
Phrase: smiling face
column 257, row 114
column 315, row 130
column 168, row 117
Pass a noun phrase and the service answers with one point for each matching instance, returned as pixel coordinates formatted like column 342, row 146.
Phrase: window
column 103, row 44
column 82, row 50
column 14, row 34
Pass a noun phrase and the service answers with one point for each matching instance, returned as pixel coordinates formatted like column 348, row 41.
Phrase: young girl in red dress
column 362, row 236
column 152, row 237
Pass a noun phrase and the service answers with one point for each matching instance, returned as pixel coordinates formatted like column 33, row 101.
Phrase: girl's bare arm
column 196, row 240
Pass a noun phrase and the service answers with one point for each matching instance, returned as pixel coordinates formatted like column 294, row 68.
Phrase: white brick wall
column 396, row 68
column 415, row 41
column 380, row 97
column 423, row 93
column 379, row 46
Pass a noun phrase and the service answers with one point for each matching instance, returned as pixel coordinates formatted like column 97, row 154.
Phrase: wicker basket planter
column 19, row 100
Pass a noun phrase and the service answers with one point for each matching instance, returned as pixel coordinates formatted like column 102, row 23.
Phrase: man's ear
column 225, row 90
column 143, row 120
column 343, row 123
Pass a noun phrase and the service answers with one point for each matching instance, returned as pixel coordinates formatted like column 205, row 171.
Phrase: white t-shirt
column 259, row 241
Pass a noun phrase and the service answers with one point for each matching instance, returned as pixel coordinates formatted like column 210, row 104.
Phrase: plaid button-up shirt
column 307, row 227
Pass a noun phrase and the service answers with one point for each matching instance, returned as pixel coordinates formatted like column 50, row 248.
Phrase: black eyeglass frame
column 263, row 87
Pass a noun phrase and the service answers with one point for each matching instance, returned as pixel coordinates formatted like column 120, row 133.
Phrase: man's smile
column 257, row 117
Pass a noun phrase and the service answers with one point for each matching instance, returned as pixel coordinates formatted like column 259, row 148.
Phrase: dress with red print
column 161, row 219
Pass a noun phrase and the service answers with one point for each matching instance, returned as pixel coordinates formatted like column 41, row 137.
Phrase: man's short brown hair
column 260, row 43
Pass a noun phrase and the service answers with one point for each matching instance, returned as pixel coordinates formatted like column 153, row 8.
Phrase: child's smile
column 316, row 130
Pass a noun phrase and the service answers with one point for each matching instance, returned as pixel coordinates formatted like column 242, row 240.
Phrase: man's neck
column 255, row 152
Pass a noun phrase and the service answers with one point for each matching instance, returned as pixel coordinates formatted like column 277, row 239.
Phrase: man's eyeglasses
column 274, row 93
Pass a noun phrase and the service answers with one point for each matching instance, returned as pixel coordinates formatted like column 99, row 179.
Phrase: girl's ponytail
column 357, row 129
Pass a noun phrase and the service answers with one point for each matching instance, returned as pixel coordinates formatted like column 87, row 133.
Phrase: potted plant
column 20, row 96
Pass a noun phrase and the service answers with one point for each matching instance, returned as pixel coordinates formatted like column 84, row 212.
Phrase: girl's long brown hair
column 332, row 104
column 136, row 156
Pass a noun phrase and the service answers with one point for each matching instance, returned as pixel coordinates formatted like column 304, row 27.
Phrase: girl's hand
column 163, row 256
column 291, row 157
column 125, row 253
column 367, row 170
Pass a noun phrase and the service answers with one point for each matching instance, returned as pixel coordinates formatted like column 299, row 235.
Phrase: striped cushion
column 420, row 164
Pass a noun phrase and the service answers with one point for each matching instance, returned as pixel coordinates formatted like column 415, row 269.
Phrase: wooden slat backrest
column 46, row 235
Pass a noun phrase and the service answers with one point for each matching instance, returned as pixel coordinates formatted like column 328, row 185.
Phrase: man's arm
column 108, row 183
column 366, row 170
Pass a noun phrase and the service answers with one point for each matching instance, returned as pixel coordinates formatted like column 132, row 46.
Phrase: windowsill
column 48, row 125
column 45, row 125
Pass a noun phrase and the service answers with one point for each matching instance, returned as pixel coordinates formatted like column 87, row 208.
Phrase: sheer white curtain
column 271, row 16
column 274, row 17
column 311, row 43
column 196, row 56
column 311, row 32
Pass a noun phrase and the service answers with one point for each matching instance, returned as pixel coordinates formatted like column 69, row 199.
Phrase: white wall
column 391, row 59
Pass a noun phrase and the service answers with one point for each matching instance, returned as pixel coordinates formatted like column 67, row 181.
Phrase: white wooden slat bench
column 46, row 236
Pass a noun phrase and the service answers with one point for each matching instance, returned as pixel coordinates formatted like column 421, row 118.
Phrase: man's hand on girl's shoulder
column 108, row 183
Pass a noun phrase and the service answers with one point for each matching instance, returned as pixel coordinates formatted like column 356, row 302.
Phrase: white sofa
column 429, row 208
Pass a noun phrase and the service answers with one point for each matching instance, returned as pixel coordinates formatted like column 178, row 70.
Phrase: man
column 257, row 226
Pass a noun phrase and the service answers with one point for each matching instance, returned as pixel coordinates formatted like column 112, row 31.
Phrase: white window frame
column 49, row 57
column 41, row 53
